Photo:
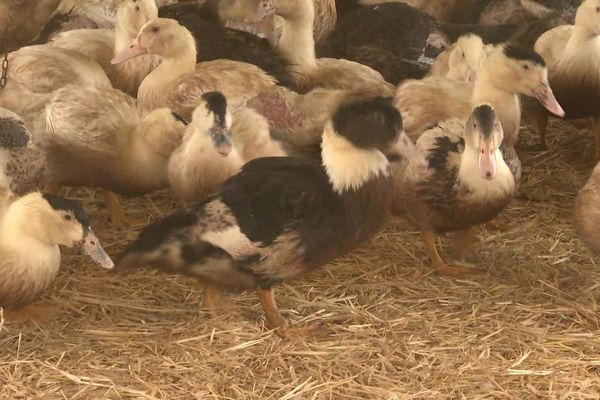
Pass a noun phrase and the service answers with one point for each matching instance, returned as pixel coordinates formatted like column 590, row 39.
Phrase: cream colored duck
column 98, row 137
column 297, row 46
column 35, row 72
column 178, row 82
column 102, row 45
column 31, row 230
column 573, row 56
column 587, row 212
column 462, row 61
column 457, row 177
column 209, row 153
column 508, row 72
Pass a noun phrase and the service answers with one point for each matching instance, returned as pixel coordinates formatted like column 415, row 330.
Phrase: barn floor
column 526, row 328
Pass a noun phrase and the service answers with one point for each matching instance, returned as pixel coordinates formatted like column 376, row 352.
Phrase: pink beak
column 487, row 163
column 135, row 49
column 545, row 96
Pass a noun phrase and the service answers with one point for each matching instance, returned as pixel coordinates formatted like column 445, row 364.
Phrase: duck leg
column 39, row 313
column 542, row 122
column 496, row 225
column 115, row 211
column 429, row 237
column 213, row 298
column 464, row 241
column 276, row 321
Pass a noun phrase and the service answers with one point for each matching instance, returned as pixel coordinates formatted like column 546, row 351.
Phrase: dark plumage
column 279, row 217
column 61, row 203
column 217, row 104
column 13, row 133
column 520, row 53
column 214, row 41
column 392, row 38
column 485, row 117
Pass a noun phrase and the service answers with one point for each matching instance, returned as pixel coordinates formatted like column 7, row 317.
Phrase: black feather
column 520, row 53
column 217, row 104
column 13, row 133
column 485, row 116
column 60, row 203
column 368, row 123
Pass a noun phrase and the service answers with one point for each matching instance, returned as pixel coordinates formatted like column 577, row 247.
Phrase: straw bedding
column 526, row 328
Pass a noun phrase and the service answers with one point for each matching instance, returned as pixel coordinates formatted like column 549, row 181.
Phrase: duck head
column 133, row 14
column 524, row 71
column 287, row 9
column 163, row 37
column 483, row 133
column 56, row 221
column 466, row 58
column 588, row 16
column 211, row 117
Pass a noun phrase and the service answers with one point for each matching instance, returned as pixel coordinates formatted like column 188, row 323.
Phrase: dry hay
column 527, row 328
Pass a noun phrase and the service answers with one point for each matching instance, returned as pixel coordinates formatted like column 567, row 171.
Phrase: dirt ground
column 525, row 328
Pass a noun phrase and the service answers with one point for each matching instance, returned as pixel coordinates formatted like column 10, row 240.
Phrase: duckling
column 21, row 21
column 98, row 137
column 507, row 72
column 457, row 177
column 574, row 67
column 22, row 165
column 281, row 217
column 397, row 40
column 101, row 45
column 35, row 72
column 297, row 45
column 587, row 213
column 462, row 60
column 178, row 82
column 31, row 230
column 215, row 41
column 207, row 156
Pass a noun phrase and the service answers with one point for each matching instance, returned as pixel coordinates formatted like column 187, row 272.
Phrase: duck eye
column 463, row 54
column 155, row 29
column 67, row 217
column 525, row 66
column 137, row 8
column 598, row 9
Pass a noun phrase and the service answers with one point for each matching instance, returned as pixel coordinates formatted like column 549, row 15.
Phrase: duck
column 462, row 60
column 23, row 20
column 101, row 45
column 22, row 165
column 571, row 52
column 36, row 72
column 214, row 148
column 587, row 213
column 31, row 230
column 215, row 41
column 454, row 178
column 178, row 82
column 398, row 40
column 99, row 137
column 281, row 217
column 509, row 71
column 297, row 46
column 80, row 14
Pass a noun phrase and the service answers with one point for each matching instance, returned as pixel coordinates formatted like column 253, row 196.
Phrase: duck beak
column 135, row 49
column 264, row 10
column 92, row 247
column 487, row 160
column 545, row 96
column 221, row 139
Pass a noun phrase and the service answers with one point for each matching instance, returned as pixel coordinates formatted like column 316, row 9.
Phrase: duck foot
column 455, row 271
column 464, row 242
column 276, row 321
column 499, row 226
column 39, row 313
column 116, row 213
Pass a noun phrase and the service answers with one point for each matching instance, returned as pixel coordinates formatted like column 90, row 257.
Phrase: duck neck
column 297, row 44
column 349, row 168
column 151, row 93
column 580, row 37
column 23, row 221
column 504, row 100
